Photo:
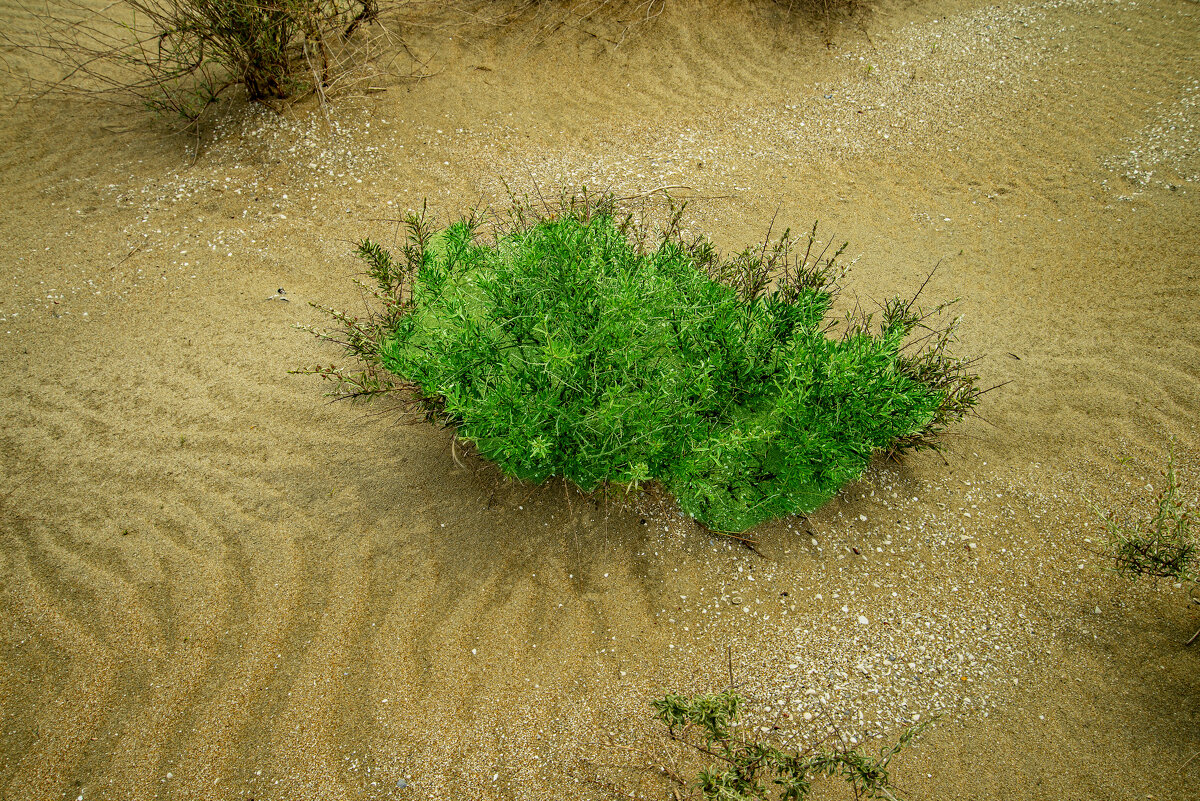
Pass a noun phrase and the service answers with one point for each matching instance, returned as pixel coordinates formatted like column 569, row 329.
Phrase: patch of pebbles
column 828, row 634
column 927, row 81
column 1166, row 152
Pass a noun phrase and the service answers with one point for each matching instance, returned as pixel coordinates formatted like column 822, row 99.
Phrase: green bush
column 574, row 346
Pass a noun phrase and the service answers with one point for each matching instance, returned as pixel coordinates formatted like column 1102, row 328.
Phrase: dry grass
column 178, row 57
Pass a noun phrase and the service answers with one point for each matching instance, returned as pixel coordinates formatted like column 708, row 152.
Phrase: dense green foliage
column 570, row 346
column 754, row 769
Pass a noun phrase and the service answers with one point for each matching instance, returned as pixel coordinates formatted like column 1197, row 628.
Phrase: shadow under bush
column 578, row 345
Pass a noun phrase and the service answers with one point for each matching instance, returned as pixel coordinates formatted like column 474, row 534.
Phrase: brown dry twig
column 178, row 57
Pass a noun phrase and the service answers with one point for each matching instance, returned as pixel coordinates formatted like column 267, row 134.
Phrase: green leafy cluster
column 574, row 345
column 747, row 769
column 568, row 346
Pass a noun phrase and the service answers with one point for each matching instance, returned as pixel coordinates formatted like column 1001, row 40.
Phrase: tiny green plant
column 1161, row 544
column 743, row 769
column 579, row 344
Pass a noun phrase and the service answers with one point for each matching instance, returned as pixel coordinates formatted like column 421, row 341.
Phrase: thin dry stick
column 126, row 257
column 454, row 452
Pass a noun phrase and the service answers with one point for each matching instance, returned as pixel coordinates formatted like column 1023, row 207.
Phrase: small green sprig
column 746, row 769
column 1161, row 545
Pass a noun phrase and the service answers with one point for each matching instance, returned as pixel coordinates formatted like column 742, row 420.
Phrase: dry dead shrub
column 177, row 57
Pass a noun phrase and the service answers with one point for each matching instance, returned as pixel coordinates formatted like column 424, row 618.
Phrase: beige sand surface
column 215, row 585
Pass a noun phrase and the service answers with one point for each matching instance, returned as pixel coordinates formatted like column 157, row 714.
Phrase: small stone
column 862, row 620
column 401, row 784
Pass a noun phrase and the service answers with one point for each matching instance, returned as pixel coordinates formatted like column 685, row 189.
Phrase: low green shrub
column 576, row 345
column 745, row 769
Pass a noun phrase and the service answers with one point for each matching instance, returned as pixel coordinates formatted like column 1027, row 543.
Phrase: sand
column 214, row 584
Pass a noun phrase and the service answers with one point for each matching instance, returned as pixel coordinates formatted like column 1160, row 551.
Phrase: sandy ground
column 215, row 585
